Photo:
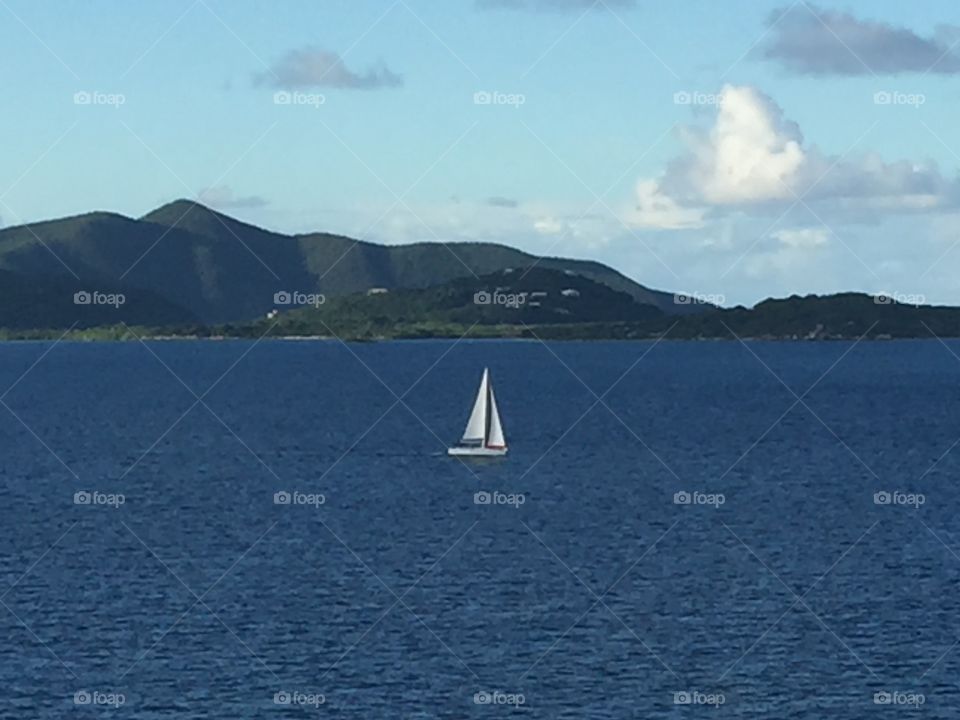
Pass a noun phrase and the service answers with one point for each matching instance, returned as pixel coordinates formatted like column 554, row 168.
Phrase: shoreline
column 61, row 338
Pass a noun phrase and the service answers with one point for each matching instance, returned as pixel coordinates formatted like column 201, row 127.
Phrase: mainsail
column 476, row 431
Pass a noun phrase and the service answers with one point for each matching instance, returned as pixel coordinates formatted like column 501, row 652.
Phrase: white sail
column 495, row 439
column 477, row 424
column 484, row 434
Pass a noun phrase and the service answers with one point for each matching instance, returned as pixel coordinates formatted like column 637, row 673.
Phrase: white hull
column 476, row 452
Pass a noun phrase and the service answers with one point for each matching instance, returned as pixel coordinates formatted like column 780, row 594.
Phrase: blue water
column 598, row 596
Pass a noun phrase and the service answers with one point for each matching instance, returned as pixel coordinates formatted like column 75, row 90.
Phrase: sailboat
column 484, row 434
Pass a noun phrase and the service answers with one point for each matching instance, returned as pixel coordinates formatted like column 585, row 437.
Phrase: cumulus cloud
column 554, row 5
column 812, row 41
column 315, row 67
column 749, row 156
column 753, row 157
column 222, row 196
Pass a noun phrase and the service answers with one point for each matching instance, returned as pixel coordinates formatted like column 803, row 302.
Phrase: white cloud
column 751, row 155
column 548, row 226
column 753, row 158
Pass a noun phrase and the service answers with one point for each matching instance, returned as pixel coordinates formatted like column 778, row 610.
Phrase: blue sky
column 714, row 148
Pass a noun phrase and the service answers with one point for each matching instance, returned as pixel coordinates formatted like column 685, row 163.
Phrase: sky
column 735, row 150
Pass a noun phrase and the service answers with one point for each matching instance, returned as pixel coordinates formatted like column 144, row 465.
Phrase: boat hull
column 476, row 452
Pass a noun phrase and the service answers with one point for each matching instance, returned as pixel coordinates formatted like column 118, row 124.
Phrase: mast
column 488, row 416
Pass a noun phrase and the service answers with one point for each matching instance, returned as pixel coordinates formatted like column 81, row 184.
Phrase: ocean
column 680, row 529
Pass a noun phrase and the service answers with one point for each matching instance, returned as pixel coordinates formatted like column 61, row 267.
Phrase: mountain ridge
column 224, row 270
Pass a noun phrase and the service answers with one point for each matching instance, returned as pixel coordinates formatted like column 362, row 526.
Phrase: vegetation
column 186, row 271
column 29, row 302
column 592, row 312
column 221, row 270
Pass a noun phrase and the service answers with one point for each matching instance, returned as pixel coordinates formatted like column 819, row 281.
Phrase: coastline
column 42, row 337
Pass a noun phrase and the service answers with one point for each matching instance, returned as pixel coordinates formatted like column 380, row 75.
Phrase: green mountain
column 816, row 317
column 215, row 278
column 221, row 270
column 57, row 302
column 554, row 305
column 186, row 269
column 518, row 297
